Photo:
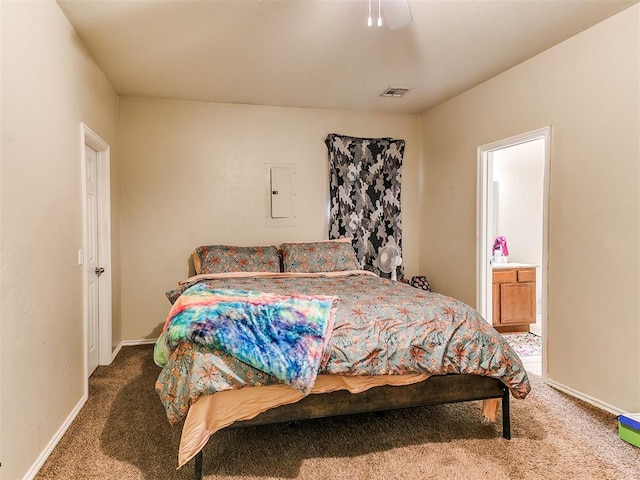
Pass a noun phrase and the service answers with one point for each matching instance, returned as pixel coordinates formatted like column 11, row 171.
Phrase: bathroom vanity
column 514, row 296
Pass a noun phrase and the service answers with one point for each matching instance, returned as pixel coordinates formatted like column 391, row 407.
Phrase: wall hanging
column 364, row 184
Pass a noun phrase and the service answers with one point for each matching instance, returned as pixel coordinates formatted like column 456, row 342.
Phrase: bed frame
column 433, row 391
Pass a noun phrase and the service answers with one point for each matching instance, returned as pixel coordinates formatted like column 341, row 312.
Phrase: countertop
column 512, row 265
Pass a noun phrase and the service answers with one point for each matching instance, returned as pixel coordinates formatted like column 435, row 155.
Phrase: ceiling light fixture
column 370, row 20
column 396, row 14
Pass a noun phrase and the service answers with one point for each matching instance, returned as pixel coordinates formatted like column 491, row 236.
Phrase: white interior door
column 92, row 259
column 96, row 254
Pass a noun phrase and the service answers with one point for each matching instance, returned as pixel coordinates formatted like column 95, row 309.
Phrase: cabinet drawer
column 528, row 275
column 505, row 276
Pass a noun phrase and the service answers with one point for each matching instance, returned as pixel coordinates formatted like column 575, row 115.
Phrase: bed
column 266, row 335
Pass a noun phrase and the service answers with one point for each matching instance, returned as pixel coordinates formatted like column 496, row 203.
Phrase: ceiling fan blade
column 396, row 13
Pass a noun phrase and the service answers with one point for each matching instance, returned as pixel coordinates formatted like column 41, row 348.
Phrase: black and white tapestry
column 365, row 178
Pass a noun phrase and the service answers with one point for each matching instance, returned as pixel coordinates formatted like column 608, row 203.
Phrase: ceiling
column 319, row 53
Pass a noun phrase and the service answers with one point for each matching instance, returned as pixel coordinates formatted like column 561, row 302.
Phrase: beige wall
column 588, row 89
column 519, row 171
column 193, row 174
column 49, row 85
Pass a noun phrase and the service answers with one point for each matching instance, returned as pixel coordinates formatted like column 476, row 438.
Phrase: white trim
column 536, row 328
column 115, row 352
column 586, row 398
column 482, row 209
column 89, row 137
column 133, row 343
column 483, row 293
column 37, row 465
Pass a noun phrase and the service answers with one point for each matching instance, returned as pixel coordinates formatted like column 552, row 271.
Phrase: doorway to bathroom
column 512, row 241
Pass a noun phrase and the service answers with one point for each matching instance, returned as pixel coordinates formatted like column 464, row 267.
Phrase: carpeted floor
column 122, row 433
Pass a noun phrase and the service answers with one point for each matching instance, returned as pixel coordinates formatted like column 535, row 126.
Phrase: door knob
column 99, row 271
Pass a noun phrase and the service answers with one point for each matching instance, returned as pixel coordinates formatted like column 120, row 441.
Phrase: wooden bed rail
column 440, row 389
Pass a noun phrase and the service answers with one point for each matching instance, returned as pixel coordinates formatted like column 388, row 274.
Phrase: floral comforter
column 381, row 327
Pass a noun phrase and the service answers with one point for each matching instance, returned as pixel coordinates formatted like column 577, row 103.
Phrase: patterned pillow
column 311, row 257
column 227, row 258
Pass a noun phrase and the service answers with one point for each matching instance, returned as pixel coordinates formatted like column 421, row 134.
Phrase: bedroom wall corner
column 50, row 84
column 587, row 89
column 116, row 261
column 193, row 174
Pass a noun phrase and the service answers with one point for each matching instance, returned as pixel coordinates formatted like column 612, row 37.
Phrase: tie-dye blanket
column 282, row 335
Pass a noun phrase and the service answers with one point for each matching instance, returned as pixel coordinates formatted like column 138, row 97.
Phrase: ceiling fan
column 396, row 14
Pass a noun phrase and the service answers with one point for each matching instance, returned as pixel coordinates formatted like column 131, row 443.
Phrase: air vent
column 394, row 92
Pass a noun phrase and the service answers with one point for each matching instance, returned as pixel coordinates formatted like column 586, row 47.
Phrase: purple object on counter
column 500, row 243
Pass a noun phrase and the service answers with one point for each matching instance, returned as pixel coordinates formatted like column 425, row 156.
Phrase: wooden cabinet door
column 495, row 319
column 517, row 303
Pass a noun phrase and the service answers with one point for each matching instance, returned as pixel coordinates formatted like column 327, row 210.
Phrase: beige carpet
column 121, row 433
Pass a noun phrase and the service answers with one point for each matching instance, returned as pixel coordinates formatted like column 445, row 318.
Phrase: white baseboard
column 536, row 329
column 142, row 341
column 586, row 398
column 35, row 468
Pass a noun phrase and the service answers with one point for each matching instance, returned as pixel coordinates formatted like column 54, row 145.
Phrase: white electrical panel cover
column 280, row 194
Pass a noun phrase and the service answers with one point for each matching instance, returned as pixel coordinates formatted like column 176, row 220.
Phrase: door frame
column 103, row 150
column 485, row 217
